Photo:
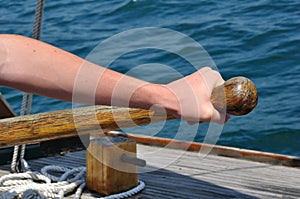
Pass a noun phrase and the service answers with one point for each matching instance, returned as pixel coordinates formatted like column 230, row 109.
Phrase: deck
column 181, row 174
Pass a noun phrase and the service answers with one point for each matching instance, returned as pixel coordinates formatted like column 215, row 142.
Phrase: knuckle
column 206, row 113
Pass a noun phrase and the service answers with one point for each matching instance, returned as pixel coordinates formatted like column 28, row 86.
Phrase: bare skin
column 36, row 67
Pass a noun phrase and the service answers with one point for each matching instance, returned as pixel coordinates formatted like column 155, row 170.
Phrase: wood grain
column 106, row 173
column 190, row 177
column 69, row 123
column 239, row 98
column 237, row 153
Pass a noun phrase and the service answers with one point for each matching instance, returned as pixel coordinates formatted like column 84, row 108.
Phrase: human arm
column 37, row 67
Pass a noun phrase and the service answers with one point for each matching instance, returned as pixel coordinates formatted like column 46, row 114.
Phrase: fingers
column 193, row 93
column 208, row 113
column 212, row 79
column 213, row 115
column 217, row 118
column 220, row 118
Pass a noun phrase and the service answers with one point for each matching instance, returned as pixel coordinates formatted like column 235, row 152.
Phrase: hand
column 193, row 97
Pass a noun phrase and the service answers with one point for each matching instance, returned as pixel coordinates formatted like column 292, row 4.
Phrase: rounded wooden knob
column 238, row 96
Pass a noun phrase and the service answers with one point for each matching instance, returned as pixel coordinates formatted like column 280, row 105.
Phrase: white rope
column 53, row 182
column 15, row 157
column 33, row 185
column 27, row 97
column 128, row 193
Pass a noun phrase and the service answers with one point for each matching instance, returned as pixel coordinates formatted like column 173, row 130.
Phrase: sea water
column 256, row 39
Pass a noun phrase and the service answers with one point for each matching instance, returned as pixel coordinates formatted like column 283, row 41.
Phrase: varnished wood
column 257, row 156
column 60, row 124
column 52, row 147
column 238, row 96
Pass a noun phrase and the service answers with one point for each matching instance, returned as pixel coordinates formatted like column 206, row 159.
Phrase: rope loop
column 54, row 172
column 31, row 194
column 52, row 182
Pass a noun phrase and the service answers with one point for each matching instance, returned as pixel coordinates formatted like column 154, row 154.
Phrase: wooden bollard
column 111, row 165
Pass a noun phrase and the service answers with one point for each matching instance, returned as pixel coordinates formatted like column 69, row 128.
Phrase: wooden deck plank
column 256, row 179
column 188, row 176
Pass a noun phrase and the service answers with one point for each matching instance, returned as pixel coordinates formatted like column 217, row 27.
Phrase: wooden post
column 107, row 171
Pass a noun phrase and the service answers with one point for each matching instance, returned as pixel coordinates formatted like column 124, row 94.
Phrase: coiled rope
column 54, row 182
column 45, row 185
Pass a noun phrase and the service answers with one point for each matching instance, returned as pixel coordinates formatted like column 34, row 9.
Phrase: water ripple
column 257, row 39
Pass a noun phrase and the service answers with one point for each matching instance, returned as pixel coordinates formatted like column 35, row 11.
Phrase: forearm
column 37, row 67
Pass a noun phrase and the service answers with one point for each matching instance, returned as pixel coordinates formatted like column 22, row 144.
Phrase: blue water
column 256, row 39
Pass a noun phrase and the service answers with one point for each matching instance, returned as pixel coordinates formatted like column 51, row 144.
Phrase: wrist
column 162, row 97
column 151, row 96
